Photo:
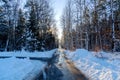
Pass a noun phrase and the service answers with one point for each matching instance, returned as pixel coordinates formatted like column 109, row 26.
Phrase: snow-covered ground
column 22, row 69
column 47, row 54
column 95, row 66
column 19, row 69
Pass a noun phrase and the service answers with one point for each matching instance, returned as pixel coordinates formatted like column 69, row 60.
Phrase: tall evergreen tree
column 20, row 35
column 4, row 27
column 40, row 19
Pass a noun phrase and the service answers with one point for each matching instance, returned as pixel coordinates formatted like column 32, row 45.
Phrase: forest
column 91, row 24
column 28, row 26
column 59, row 39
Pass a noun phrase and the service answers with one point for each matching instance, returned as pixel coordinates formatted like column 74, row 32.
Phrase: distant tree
column 67, row 20
column 20, row 35
column 95, row 24
column 40, row 22
column 29, row 29
column 4, row 28
column 10, row 10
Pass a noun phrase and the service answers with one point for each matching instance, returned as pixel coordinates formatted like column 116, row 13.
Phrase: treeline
column 30, row 27
column 91, row 24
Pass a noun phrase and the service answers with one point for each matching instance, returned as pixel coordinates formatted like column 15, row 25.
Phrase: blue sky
column 58, row 6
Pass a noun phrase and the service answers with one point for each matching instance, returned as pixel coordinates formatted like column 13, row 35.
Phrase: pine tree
column 40, row 22
column 20, row 36
column 4, row 28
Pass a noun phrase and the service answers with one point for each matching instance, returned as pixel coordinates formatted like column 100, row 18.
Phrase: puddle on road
column 52, row 72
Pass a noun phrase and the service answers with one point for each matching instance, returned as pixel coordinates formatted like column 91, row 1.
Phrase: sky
column 58, row 6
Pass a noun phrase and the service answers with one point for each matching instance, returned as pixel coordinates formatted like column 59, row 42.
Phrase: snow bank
column 22, row 69
column 47, row 54
column 19, row 69
column 96, row 68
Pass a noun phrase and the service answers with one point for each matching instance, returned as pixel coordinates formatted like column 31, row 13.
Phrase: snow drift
column 96, row 68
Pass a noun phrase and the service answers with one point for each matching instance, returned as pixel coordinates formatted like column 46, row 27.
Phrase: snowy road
column 72, row 71
column 58, row 68
column 63, row 69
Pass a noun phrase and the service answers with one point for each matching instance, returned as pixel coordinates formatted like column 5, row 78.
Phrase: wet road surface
column 61, row 68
